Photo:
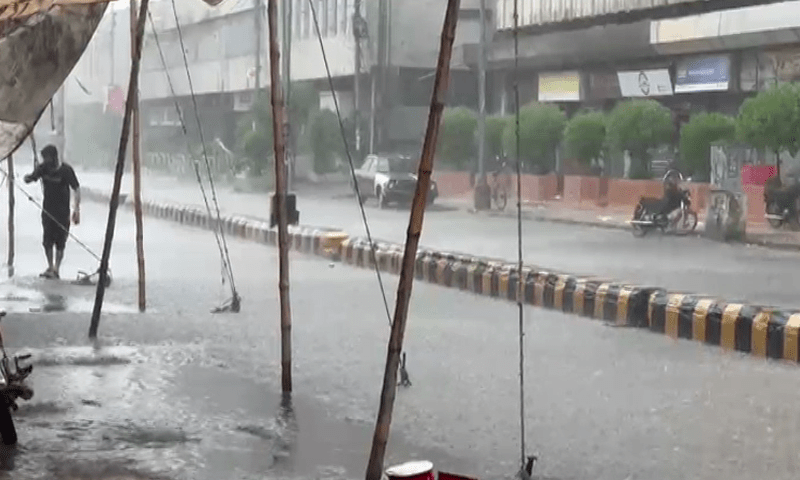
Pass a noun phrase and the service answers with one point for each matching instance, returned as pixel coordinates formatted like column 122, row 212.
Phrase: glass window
column 367, row 164
column 297, row 16
column 383, row 165
column 343, row 14
column 332, row 20
column 322, row 17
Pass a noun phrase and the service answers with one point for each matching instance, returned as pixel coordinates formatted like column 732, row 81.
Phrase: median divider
column 759, row 330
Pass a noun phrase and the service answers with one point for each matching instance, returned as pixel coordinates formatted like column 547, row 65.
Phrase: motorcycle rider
column 672, row 191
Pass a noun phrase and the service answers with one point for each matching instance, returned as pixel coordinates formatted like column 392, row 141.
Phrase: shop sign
column 705, row 74
column 560, row 87
column 645, row 83
column 603, row 86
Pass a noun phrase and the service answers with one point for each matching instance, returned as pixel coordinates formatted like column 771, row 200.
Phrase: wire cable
column 41, row 207
column 520, row 305
column 404, row 377
column 219, row 235
column 350, row 161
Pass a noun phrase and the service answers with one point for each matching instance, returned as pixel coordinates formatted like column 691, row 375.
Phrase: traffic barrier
column 758, row 330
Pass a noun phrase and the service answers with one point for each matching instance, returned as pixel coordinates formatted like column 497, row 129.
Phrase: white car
column 390, row 178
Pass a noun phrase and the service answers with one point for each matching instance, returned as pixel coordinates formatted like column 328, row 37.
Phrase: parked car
column 390, row 178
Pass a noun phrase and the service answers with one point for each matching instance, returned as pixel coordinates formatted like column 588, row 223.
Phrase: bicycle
column 500, row 186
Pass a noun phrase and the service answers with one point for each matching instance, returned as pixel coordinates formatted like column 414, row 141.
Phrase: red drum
column 422, row 470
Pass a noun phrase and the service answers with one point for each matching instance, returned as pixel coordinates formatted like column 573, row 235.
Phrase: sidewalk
column 617, row 217
column 164, row 188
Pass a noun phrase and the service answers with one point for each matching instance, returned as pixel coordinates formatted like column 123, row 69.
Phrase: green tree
column 303, row 101
column 494, row 135
column 638, row 126
column 325, row 139
column 541, row 127
column 457, row 137
column 697, row 135
column 254, row 134
column 585, row 136
column 771, row 120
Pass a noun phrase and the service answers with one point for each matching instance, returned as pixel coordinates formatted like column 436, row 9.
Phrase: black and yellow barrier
column 760, row 331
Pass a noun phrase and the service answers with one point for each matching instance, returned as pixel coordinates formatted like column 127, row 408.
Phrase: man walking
column 57, row 179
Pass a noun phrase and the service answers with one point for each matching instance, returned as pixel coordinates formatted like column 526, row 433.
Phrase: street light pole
column 482, row 193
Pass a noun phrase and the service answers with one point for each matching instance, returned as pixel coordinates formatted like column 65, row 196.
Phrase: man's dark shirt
column 57, row 184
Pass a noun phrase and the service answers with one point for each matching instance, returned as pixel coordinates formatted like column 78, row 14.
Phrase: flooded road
column 181, row 393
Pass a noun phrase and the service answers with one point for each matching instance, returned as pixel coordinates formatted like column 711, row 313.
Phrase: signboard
column 705, row 74
column 762, row 70
column 645, row 83
column 560, row 87
column 603, row 86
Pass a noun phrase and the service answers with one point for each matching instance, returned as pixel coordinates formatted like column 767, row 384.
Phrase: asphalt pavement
column 733, row 271
column 183, row 393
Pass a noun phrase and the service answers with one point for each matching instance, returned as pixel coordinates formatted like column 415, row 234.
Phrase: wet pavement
column 735, row 272
column 181, row 393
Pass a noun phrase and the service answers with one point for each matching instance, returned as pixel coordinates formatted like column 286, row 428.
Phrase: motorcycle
column 782, row 206
column 12, row 388
column 647, row 216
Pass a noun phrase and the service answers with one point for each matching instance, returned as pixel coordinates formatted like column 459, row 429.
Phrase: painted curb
column 761, row 331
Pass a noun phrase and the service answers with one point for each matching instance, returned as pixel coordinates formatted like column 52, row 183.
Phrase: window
column 322, row 17
column 297, row 18
column 332, row 20
column 305, row 19
column 382, row 165
column 368, row 164
column 343, row 16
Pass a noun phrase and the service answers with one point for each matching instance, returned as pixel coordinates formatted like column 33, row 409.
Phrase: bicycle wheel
column 501, row 198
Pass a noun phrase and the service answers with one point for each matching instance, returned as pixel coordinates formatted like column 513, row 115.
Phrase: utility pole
column 113, row 204
column 413, row 233
column 136, row 159
column 482, row 192
column 357, row 22
column 280, row 198
column 259, row 8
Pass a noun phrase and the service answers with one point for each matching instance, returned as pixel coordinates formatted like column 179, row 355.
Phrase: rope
column 41, row 208
column 227, row 271
column 520, row 306
column 403, row 373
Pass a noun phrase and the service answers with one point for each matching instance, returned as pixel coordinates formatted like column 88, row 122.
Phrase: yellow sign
column 560, row 87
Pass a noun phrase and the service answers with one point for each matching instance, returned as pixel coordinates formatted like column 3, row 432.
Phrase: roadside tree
column 639, row 126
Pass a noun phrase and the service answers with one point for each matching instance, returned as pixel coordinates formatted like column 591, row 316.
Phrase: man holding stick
column 57, row 179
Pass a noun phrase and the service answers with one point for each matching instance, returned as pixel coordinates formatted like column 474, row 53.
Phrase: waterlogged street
column 180, row 393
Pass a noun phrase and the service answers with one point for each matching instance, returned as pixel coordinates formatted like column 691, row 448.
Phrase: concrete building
column 399, row 55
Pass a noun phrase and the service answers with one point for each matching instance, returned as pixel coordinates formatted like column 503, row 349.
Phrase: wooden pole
column 384, row 420
column 136, row 159
column 133, row 82
column 11, row 208
column 280, row 197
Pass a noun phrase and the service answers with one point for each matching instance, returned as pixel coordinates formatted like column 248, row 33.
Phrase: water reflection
column 283, row 447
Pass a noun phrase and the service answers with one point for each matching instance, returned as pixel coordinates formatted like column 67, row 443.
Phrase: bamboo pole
column 113, row 204
column 11, row 209
column 383, row 422
column 280, row 197
column 136, row 159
